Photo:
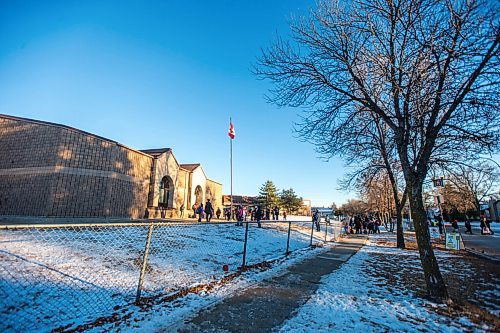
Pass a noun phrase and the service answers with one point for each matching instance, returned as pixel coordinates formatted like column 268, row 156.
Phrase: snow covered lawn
column 373, row 292
column 52, row 277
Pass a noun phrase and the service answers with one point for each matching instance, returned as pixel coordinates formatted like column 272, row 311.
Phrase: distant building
column 494, row 208
column 243, row 200
column 306, row 208
column 54, row 170
column 324, row 211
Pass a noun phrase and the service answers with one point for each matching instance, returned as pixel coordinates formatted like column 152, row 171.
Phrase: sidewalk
column 271, row 302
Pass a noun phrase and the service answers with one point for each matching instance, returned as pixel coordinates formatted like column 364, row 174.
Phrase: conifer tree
column 268, row 196
column 290, row 201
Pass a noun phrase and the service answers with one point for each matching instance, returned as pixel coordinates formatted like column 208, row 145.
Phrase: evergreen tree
column 290, row 201
column 268, row 197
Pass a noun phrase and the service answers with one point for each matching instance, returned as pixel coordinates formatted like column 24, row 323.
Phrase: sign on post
column 434, row 231
column 453, row 241
column 438, row 182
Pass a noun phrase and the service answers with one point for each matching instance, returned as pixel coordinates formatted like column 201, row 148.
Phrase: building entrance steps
column 269, row 303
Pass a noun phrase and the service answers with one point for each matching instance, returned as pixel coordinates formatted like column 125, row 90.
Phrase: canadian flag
column 231, row 131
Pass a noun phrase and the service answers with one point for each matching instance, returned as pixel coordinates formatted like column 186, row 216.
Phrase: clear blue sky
column 153, row 74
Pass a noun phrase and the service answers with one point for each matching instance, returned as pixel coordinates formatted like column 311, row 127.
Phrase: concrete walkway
column 269, row 303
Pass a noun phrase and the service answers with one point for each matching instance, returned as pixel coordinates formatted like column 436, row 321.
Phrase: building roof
column 190, row 167
column 156, row 152
column 46, row 123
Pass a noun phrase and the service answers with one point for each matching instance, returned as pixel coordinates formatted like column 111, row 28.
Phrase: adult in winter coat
column 258, row 215
column 209, row 210
column 199, row 210
column 316, row 217
column 239, row 216
column 468, row 227
column 276, row 212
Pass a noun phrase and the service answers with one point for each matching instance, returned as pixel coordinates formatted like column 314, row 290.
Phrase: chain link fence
column 55, row 276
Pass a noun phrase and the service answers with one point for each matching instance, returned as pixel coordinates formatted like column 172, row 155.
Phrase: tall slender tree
column 268, row 195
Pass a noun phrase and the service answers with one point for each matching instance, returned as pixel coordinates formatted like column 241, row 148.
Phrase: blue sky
column 153, row 74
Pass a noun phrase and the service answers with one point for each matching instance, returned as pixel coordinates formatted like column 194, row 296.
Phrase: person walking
column 199, row 210
column 316, row 217
column 239, row 216
column 468, row 227
column 454, row 224
column 208, row 210
column 218, row 212
column 258, row 216
column 357, row 224
column 182, row 210
column 276, row 213
column 194, row 210
column 284, row 215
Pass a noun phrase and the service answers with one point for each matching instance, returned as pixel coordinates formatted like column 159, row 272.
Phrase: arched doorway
column 198, row 193
column 166, row 195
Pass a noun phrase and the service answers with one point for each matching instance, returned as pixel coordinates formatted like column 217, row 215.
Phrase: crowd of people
column 251, row 213
column 359, row 224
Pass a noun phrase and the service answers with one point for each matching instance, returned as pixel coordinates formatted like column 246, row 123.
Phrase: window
column 166, row 193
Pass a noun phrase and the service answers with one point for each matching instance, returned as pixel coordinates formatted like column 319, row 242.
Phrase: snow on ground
column 357, row 298
column 52, row 277
column 169, row 316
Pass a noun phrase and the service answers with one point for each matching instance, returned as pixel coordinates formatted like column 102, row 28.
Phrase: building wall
column 166, row 166
column 198, row 178
column 53, row 170
column 28, row 154
column 216, row 194
column 182, row 192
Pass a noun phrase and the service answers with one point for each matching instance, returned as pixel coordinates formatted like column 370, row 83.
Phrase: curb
column 482, row 255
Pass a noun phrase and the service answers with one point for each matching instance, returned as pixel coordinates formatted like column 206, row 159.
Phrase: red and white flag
column 231, row 131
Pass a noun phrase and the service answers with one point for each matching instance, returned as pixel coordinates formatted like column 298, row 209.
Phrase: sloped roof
column 190, row 167
column 156, row 152
column 47, row 123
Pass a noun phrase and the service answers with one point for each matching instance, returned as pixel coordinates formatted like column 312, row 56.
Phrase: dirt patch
column 472, row 282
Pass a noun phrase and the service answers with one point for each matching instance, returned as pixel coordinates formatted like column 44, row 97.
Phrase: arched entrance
column 166, row 195
column 198, row 193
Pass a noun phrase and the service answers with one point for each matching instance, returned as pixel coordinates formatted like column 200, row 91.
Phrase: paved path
column 269, row 303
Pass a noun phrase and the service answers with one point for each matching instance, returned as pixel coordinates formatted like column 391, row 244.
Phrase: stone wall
column 53, row 170
column 215, row 190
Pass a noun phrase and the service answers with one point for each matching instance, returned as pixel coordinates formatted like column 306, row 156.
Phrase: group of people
column 484, row 225
column 362, row 225
column 255, row 213
column 201, row 211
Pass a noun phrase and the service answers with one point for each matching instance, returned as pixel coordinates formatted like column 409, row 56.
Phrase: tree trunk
column 436, row 287
column 400, row 238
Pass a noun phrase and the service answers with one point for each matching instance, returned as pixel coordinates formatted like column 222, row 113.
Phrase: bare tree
column 369, row 147
column 354, row 207
column 473, row 183
column 428, row 68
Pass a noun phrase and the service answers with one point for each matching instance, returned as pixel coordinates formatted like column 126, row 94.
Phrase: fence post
column 326, row 230
column 144, row 264
column 288, row 239
column 245, row 245
column 312, row 230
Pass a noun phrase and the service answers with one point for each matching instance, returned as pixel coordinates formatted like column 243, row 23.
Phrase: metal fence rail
column 65, row 275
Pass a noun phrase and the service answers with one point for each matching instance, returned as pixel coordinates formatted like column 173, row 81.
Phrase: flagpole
column 231, row 162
